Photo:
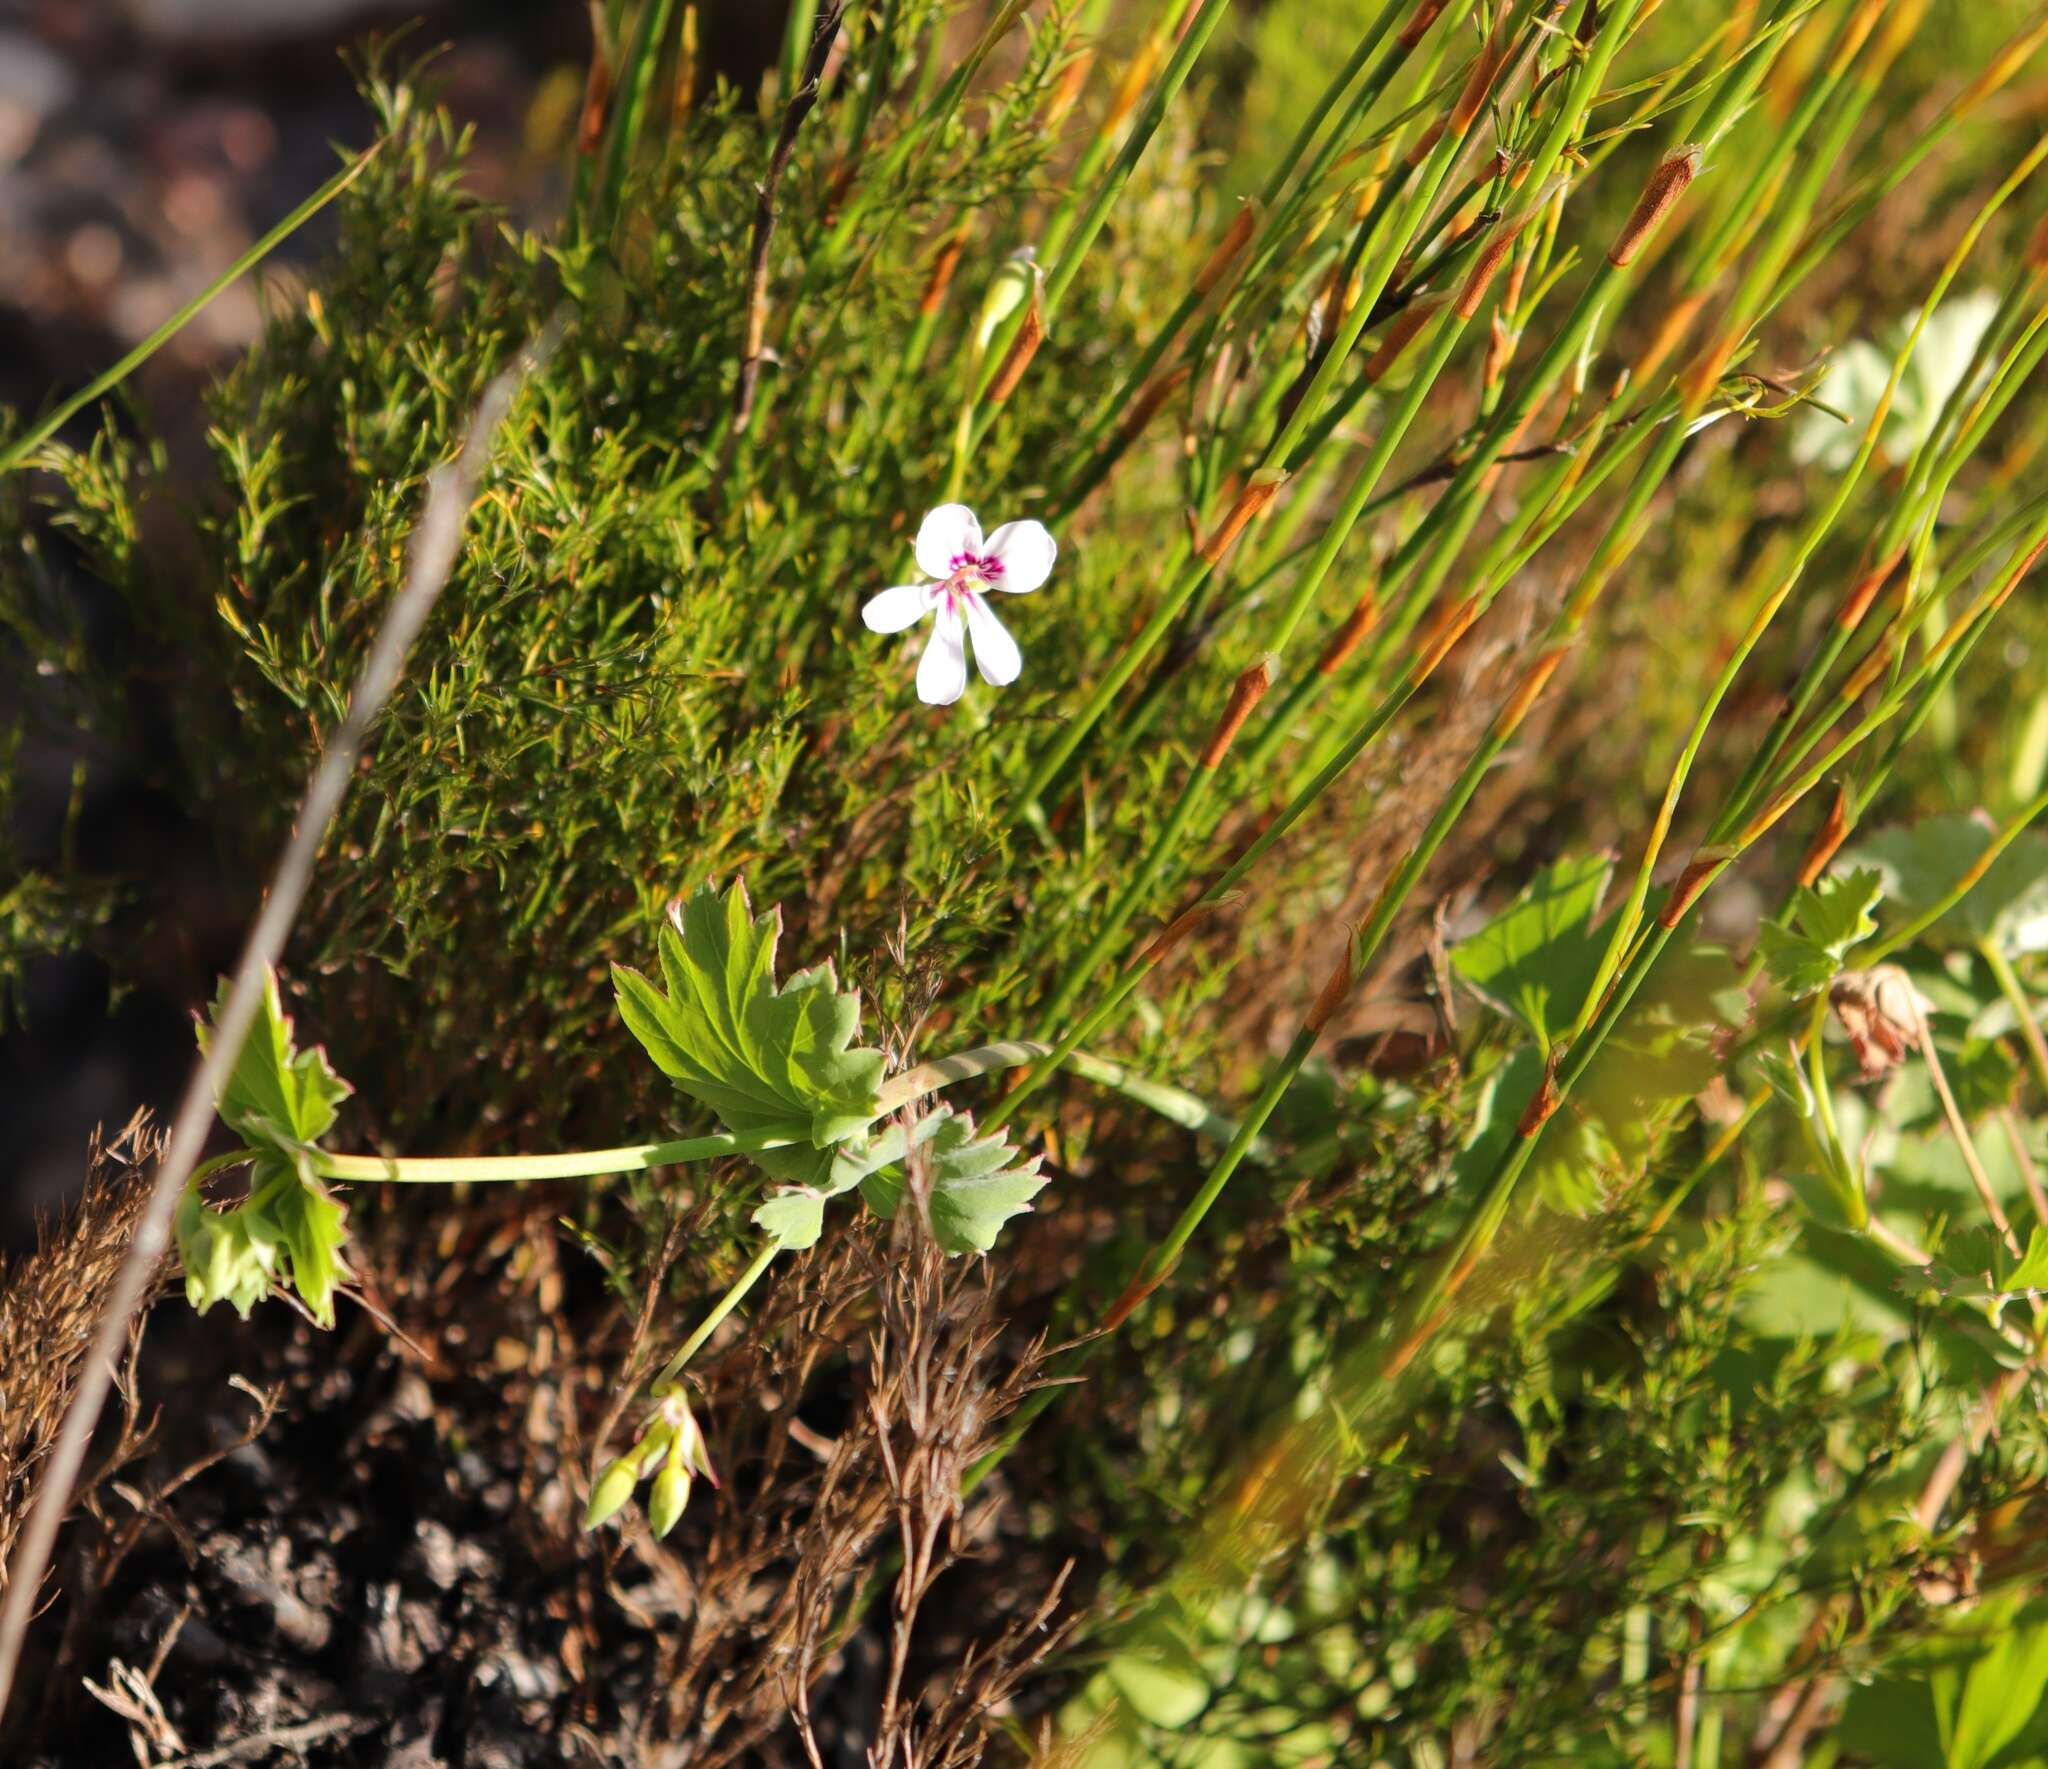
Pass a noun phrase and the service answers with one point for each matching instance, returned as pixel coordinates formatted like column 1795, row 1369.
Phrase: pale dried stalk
column 451, row 489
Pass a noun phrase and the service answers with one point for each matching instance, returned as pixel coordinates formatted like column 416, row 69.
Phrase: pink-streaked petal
column 895, row 609
column 942, row 671
column 1027, row 551
column 995, row 652
column 947, row 533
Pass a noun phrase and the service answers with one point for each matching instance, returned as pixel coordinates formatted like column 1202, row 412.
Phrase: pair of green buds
column 671, row 1449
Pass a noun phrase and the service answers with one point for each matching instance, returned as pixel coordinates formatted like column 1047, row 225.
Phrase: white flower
column 963, row 567
column 1855, row 381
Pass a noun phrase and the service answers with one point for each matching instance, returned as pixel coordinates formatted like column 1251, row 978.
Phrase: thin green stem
column 1878, row 951
column 25, row 445
column 570, row 1164
column 735, row 1294
column 2022, row 1010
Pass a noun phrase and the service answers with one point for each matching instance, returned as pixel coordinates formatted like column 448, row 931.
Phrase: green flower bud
column 1013, row 285
column 654, row 1443
column 614, row 1487
column 671, row 1492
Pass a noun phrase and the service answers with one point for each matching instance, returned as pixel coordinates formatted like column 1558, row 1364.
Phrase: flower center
column 970, row 574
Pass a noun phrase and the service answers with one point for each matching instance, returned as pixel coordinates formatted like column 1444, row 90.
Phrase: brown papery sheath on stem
column 1401, row 334
column 1666, row 185
column 1331, row 996
column 1246, row 693
column 1826, row 840
column 1174, row 933
column 1348, row 637
column 1072, row 79
column 1227, row 248
column 941, row 278
column 1868, row 671
column 1531, row 689
column 1864, row 591
column 1448, row 628
column 1022, row 349
column 1250, row 503
column 1131, row 87
column 1699, row 872
column 1491, row 256
column 1670, row 333
column 1155, row 393
column 1418, row 25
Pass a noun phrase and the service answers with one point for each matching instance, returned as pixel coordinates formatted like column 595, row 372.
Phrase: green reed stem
column 39, row 433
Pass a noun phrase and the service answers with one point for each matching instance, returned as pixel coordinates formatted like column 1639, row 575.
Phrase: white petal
column 942, row 671
column 1027, row 552
column 947, row 532
column 995, row 652
column 893, row 610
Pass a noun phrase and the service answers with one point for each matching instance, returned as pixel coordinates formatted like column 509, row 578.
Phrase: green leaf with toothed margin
column 762, row 1057
column 289, row 1231
column 276, row 1094
column 1806, row 951
column 977, row 1184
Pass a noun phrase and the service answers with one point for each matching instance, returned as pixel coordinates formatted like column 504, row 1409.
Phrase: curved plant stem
column 734, row 1295
column 569, row 1164
column 2016, row 998
column 1880, row 950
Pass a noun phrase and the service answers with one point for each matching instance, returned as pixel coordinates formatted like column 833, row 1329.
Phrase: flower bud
column 1013, row 285
column 689, row 1436
column 671, row 1492
column 614, row 1487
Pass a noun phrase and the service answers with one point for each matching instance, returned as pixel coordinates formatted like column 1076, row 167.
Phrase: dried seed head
column 1879, row 1010
column 1666, row 185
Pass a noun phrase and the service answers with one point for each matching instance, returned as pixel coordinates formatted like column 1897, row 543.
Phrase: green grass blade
column 24, row 446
